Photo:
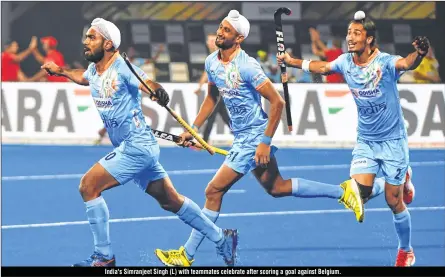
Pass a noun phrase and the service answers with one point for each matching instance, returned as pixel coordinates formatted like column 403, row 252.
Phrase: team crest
column 233, row 78
column 109, row 85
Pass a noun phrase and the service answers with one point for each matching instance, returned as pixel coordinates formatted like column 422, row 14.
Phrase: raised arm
column 75, row 75
column 412, row 61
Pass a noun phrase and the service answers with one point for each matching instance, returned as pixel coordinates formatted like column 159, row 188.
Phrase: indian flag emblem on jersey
column 372, row 75
column 233, row 78
column 109, row 84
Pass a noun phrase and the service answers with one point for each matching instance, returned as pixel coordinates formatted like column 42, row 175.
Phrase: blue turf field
column 40, row 186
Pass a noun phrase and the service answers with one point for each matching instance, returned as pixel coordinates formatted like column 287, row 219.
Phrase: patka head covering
column 239, row 23
column 108, row 30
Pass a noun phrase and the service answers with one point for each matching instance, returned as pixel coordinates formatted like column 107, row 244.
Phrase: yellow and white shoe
column 174, row 257
column 352, row 200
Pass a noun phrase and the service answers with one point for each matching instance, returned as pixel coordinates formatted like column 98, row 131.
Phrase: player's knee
column 86, row 187
column 213, row 194
column 394, row 199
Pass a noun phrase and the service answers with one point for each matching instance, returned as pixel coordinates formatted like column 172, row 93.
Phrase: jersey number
column 110, row 156
column 399, row 170
column 232, row 156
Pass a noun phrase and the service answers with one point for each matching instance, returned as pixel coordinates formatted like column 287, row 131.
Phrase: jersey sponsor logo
column 228, row 92
column 371, row 108
column 103, row 103
column 366, row 93
column 237, row 110
column 359, row 163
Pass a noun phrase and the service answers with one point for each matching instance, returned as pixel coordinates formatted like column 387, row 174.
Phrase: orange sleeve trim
column 263, row 83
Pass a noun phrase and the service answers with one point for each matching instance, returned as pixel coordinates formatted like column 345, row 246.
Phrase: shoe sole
column 356, row 190
column 166, row 264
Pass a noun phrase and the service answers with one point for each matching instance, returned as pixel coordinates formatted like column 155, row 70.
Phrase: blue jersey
column 374, row 87
column 117, row 98
column 238, row 82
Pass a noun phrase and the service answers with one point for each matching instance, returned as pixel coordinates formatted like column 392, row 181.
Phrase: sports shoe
column 408, row 189
column 228, row 249
column 405, row 258
column 97, row 260
column 174, row 257
column 351, row 199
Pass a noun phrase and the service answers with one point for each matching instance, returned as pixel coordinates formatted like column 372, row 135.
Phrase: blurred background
column 168, row 38
column 52, row 133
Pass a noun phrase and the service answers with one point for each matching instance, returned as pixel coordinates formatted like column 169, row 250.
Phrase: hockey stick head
column 282, row 10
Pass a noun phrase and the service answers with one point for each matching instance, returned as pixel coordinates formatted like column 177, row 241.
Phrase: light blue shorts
column 241, row 155
column 391, row 156
column 136, row 162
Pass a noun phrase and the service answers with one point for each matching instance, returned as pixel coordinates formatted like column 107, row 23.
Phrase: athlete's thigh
column 364, row 165
column 268, row 176
column 97, row 178
column 127, row 161
column 224, row 179
column 394, row 155
column 241, row 155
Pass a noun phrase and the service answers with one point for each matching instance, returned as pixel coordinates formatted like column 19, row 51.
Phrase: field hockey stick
column 172, row 112
column 281, row 49
column 179, row 140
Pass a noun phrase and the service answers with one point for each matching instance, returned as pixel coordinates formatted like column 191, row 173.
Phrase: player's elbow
column 279, row 103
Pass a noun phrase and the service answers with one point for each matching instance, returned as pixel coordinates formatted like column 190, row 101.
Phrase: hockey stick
column 172, row 112
column 281, row 49
column 178, row 139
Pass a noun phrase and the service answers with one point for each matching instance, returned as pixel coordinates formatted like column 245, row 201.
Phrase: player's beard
column 224, row 45
column 95, row 57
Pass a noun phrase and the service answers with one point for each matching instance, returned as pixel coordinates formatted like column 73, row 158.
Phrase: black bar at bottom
column 223, row 271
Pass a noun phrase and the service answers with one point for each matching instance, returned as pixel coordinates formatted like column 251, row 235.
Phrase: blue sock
column 196, row 237
column 98, row 216
column 310, row 189
column 191, row 214
column 378, row 187
column 402, row 222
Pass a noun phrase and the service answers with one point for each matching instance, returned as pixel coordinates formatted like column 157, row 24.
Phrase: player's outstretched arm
column 319, row 67
column 76, row 75
column 412, row 61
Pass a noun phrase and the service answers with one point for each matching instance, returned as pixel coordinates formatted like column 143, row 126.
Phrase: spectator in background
column 135, row 58
column 49, row 45
column 11, row 71
column 325, row 53
column 214, row 93
column 428, row 69
column 270, row 68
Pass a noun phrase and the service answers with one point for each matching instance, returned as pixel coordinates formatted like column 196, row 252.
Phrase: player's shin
column 192, row 215
column 196, row 237
column 98, row 217
column 402, row 223
column 310, row 189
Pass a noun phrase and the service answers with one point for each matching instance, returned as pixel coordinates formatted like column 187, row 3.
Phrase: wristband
column 305, row 66
column 194, row 127
column 266, row 140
